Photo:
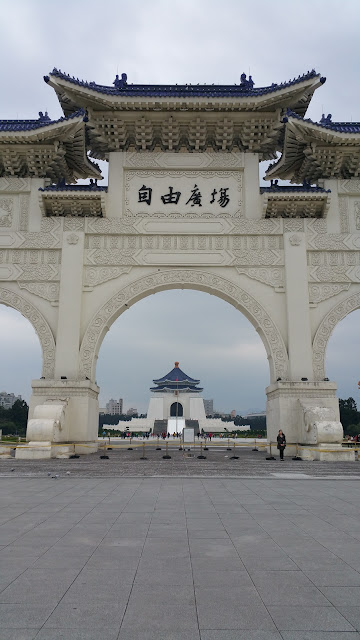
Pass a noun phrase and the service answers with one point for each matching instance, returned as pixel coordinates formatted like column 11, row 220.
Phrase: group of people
column 281, row 439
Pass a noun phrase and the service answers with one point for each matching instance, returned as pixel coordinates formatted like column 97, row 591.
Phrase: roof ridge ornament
column 247, row 84
column 326, row 119
column 120, row 83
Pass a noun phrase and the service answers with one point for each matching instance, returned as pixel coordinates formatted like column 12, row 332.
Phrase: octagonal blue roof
column 176, row 379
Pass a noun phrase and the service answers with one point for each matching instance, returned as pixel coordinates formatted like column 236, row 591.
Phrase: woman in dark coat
column 281, row 444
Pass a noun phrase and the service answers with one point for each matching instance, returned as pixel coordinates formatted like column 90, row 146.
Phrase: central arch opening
column 213, row 341
column 176, row 410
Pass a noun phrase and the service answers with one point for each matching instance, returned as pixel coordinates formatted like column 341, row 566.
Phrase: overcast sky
column 187, row 41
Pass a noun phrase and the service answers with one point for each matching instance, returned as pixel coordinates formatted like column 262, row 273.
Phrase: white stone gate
column 183, row 209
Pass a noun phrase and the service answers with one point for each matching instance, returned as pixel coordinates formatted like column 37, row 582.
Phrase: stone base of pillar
column 308, row 414
column 327, row 453
column 5, row 452
column 47, row 450
column 33, row 451
column 80, row 418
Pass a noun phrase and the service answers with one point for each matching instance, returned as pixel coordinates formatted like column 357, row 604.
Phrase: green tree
column 349, row 415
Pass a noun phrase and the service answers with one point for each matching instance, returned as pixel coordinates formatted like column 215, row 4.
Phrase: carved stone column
column 69, row 315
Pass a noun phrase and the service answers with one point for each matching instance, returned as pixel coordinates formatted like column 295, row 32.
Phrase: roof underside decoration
column 315, row 150
column 54, row 149
column 73, row 200
column 176, row 380
column 184, row 117
column 295, row 202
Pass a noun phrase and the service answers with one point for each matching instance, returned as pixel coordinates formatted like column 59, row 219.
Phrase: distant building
column 260, row 414
column 132, row 412
column 114, row 407
column 209, row 407
column 233, row 413
column 8, row 399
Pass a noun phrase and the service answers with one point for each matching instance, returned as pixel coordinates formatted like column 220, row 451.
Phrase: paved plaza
column 179, row 558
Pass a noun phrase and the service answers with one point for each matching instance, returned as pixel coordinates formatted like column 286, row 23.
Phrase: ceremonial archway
column 183, row 209
column 184, row 279
column 37, row 320
column 326, row 327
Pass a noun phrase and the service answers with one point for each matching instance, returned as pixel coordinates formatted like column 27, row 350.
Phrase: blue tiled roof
column 326, row 123
column 42, row 121
column 305, row 188
column 176, row 375
column 122, row 88
column 175, row 387
column 74, row 187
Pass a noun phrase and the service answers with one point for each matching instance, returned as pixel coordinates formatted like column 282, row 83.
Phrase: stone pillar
column 49, row 437
column 69, row 314
column 252, row 197
column 297, row 307
column 115, row 195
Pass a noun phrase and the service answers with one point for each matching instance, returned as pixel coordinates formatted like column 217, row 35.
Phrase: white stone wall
column 294, row 279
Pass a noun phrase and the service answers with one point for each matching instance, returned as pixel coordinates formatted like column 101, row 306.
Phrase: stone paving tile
column 85, row 614
column 159, row 635
column 121, row 546
column 221, row 634
column 347, row 577
column 30, row 616
column 18, row 634
column 342, row 596
column 76, row 634
column 39, row 586
column 163, row 617
column 228, row 616
column 319, row 635
column 300, row 618
column 210, row 578
column 352, row 614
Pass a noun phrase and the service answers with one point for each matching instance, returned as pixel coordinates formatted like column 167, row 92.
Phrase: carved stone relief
column 40, row 239
column 97, row 275
column 40, row 325
column 293, row 225
column 316, row 226
column 326, row 327
column 349, row 186
column 320, row 292
column 357, row 214
column 257, row 226
column 73, row 238
column 182, row 182
column 24, row 212
column 295, row 240
column 274, row 277
column 344, row 214
column 14, row 184
column 6, row 211
column 178, row 160
column 192, row 279
column 74, row 224
column 43, row 290
column 330, row 241
column 110, row 225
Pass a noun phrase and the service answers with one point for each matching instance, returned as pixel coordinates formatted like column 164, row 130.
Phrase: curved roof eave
column 305, row 131
column 73, row 93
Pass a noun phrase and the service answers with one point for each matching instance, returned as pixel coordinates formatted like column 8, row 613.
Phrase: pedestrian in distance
column 281, row 443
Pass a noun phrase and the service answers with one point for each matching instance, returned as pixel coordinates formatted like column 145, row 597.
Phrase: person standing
column 281, row 443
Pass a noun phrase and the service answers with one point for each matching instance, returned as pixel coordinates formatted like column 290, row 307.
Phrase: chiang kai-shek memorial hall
column 182, row 209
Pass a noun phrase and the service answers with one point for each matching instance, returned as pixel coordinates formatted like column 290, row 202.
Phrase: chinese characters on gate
column 221, row 196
